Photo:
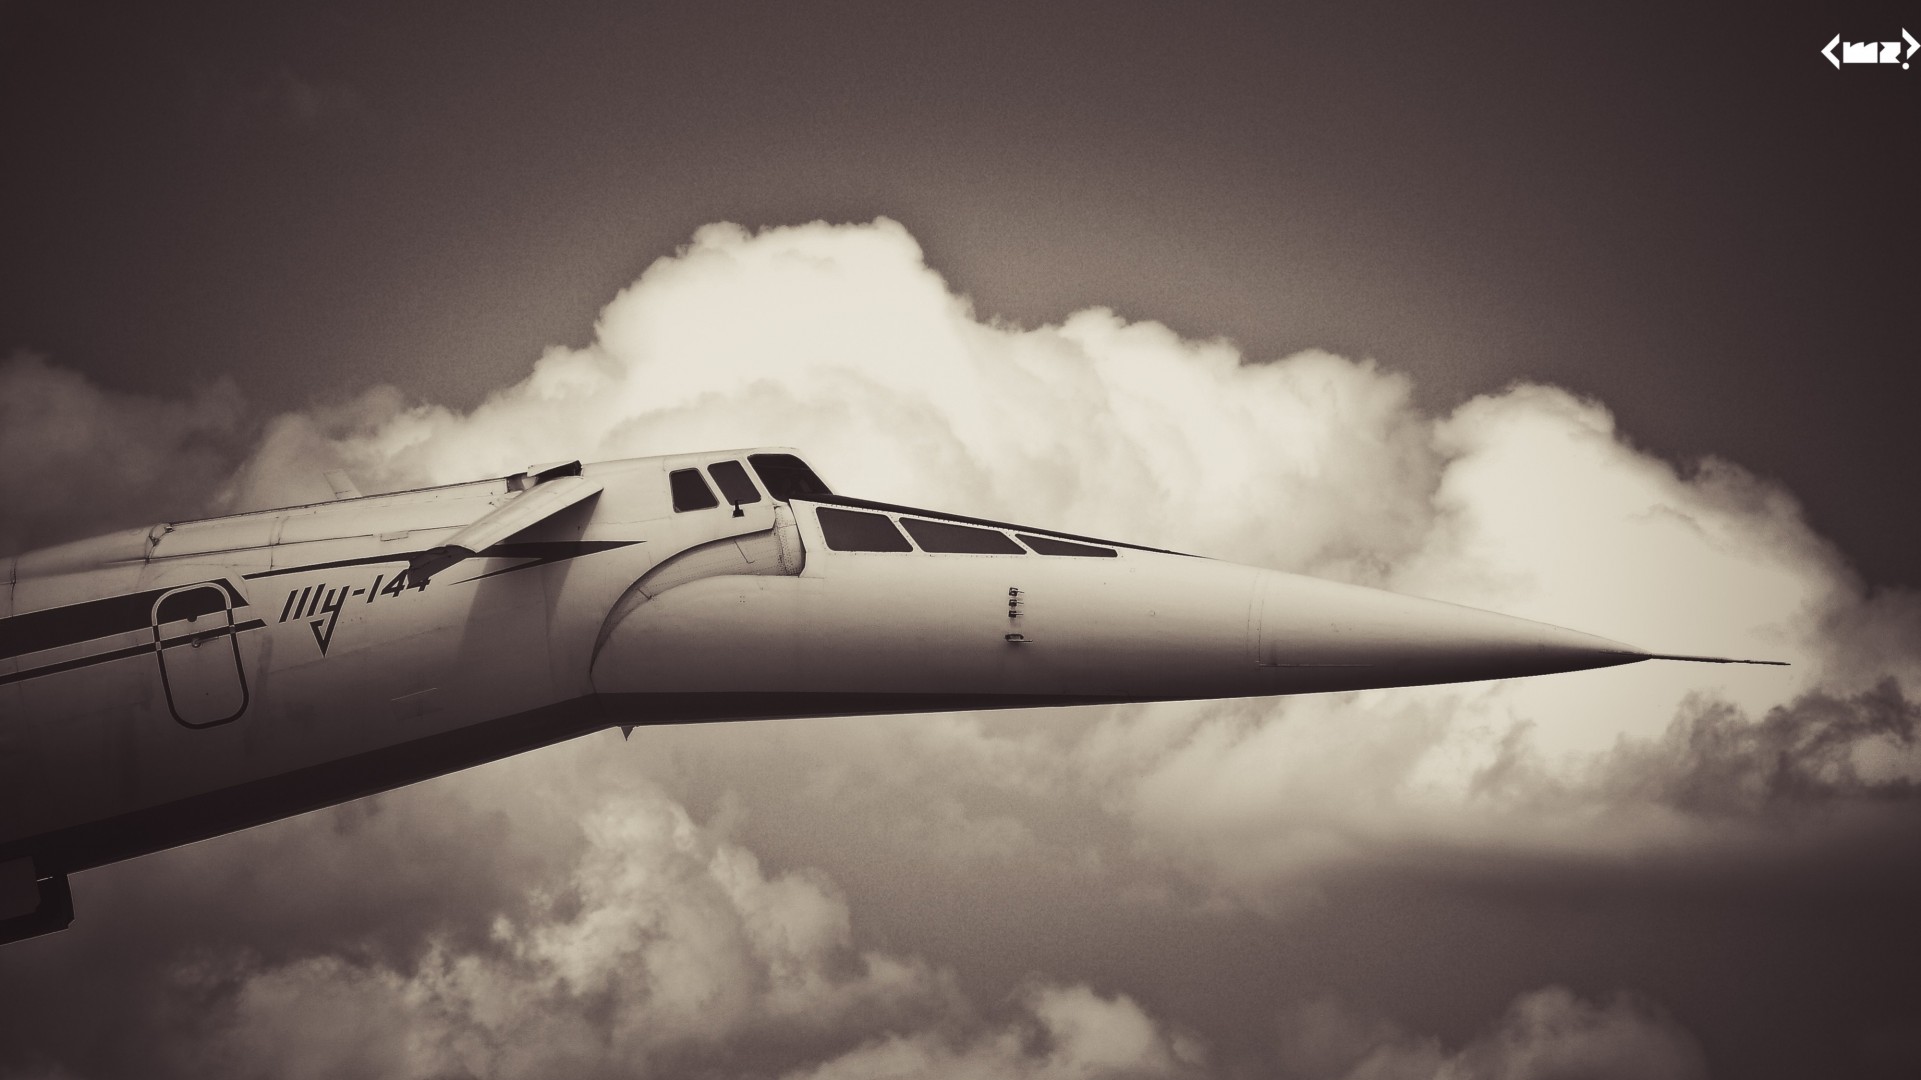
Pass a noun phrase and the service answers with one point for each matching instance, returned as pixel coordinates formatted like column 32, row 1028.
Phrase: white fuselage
column 165, row 684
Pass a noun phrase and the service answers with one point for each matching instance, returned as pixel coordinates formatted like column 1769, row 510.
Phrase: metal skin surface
column 167, row 684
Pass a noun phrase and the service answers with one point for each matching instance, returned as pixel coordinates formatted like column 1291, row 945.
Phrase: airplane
column 168, row 684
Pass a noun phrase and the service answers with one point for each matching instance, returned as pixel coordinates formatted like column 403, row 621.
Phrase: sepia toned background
column 1600, row 319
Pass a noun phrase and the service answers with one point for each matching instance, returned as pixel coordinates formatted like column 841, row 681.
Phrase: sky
column 1596, row 319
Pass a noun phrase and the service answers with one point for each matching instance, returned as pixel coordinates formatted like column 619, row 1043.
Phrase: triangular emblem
column 323, row 630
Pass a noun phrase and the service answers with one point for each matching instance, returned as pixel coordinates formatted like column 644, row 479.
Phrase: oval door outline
column 205, row 683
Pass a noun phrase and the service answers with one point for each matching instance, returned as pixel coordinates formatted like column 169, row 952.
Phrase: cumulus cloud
column 661, row 945
column 1022, row 853
column 1547, row 1033
column 1819, row 748
column 1059, row 1032
column 617, row 935
column 842, row 341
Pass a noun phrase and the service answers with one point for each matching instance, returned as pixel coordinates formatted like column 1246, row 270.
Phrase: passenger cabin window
column 787, row 477
column 1047, row 545
column 690, row 491
column 852, row 530
column 960, row 539
column 735, row 487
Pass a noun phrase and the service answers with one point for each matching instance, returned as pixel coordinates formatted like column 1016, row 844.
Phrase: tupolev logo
column 1870, row 52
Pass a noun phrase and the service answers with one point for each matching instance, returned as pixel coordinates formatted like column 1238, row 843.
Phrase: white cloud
column 1060, row 1033
column 840, row 340
column 1544, row 1034
column 661, row 943
column 665, row 941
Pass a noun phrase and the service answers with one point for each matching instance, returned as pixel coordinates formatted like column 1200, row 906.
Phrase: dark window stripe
column 690, row 491
column 143, row 649
column 786, row 476
column 851, row 530
column 546, row 551
column 894, row 508
column 74, row 623
column 35, row 631
column 947, row 538
column 735, row 487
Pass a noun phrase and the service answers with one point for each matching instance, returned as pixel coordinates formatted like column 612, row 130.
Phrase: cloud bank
column 1130, row 891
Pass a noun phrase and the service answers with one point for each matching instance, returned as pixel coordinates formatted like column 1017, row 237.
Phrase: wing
column 552, row 490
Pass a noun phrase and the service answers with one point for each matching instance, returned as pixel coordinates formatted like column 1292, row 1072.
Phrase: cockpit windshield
column 787, row 477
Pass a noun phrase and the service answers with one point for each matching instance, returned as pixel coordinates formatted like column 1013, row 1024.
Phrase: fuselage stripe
column 36, row 631
column 543, row 552
column 73, row 624
column 142, row 649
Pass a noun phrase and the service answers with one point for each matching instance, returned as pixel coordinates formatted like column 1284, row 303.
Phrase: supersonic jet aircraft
column 163, row 685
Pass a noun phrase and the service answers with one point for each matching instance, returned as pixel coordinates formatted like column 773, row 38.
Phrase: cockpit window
column 787, row 477
column 853, row 530
column 690, row 491
column 735, row 487
column 1047, row 545
column 959, row 539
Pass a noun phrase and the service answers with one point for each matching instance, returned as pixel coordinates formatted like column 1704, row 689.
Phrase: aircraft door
column 199, row 655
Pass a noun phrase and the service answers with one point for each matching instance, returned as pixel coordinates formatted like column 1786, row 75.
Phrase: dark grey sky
column 1692, row 217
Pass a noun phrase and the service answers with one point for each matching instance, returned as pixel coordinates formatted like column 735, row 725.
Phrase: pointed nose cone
column 1347, row 636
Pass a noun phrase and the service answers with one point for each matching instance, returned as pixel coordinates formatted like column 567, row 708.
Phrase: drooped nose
column 1331, row 635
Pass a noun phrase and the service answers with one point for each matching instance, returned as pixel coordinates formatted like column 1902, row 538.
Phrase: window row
column 785, row 476
column 858, row 530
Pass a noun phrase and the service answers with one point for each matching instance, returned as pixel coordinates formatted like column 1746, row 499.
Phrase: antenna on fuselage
column 1712, row 659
